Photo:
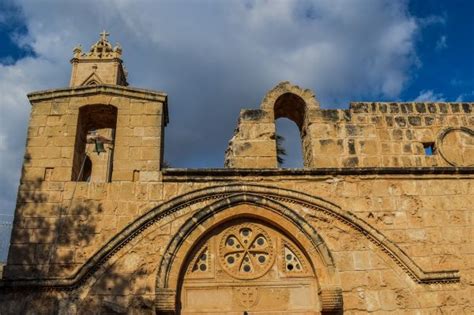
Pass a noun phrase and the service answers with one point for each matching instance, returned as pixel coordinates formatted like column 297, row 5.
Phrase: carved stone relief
column 456, row 146
column 247, row 266
column 246, row 251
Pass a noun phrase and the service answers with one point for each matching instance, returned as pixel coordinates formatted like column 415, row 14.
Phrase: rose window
column 246, row 251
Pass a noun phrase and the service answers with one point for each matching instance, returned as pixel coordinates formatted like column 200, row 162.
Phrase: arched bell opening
column 290, row 142
column 206, row 235
column 94, row 145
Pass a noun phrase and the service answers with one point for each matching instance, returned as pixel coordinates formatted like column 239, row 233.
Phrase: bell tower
column 89, row 143
column 101, row 65
column 98, row 130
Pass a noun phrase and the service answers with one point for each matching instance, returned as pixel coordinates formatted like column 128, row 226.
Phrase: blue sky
column 445, row 49
column 215, row 57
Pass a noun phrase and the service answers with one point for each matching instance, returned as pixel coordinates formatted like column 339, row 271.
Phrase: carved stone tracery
column 246, row 251
column 201, row 264
column 293, row 261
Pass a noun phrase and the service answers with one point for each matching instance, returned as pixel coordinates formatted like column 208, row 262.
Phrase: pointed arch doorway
column 248, row 266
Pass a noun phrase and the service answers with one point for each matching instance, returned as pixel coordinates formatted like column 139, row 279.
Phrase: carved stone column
column 331, row 300
column 165, row 301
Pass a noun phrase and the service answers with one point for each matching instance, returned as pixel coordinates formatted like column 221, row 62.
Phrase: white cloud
column 430, row 96
column 432, row 20
column 212, row 58
column 441, row 43
column 465, row 97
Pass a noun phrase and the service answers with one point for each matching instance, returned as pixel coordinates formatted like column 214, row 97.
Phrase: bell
column 99, row 147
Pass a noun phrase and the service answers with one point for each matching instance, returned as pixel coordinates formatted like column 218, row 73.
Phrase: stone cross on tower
column 104, row 35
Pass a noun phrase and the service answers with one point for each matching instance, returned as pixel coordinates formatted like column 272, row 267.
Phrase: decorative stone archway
column 282, row 230
column 247, row 265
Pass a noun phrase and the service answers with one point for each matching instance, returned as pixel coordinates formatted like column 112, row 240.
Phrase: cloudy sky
column 215, row 57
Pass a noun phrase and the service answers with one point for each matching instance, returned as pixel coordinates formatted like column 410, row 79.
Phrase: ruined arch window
column 93, row 150
column 289, row 136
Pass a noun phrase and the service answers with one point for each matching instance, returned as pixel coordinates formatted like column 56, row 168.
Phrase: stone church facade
column 379, row 220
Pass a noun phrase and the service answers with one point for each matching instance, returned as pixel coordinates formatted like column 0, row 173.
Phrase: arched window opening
column 288, row 141
column 93, row 151
column 291, row 108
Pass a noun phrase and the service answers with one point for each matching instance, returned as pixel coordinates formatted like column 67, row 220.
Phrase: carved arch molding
column 257, row 249
column 247, row 265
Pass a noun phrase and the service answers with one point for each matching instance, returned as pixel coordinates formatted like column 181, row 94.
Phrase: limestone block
column 330, row 147
column 255, row 148
column 136, row 120
column 151, row 131
column 137, row 108
column 62, row 174
column 321, row 160
column 256, row 131
column 33, row 173
column 153, row 108
column 41, row 108
column 369, row 147
column 151, row 120
column 149, row 176
column 38, row 121
column 149, row 153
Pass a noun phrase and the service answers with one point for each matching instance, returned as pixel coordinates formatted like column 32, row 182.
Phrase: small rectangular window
column 429, row 147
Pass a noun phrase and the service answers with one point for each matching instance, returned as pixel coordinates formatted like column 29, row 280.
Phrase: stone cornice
column 190, row 174
column 115, row 90
column 81, row 91
column 95, row 59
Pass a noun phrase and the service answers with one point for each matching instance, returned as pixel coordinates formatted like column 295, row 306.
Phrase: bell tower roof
column 102, row 64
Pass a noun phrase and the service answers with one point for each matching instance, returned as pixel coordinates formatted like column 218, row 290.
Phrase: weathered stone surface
column 372, row 224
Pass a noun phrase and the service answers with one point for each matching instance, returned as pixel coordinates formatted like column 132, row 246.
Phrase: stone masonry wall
column 365, row 135
column 398, row 224
column 51, row 204
column 393, row 135
column 428, row 217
